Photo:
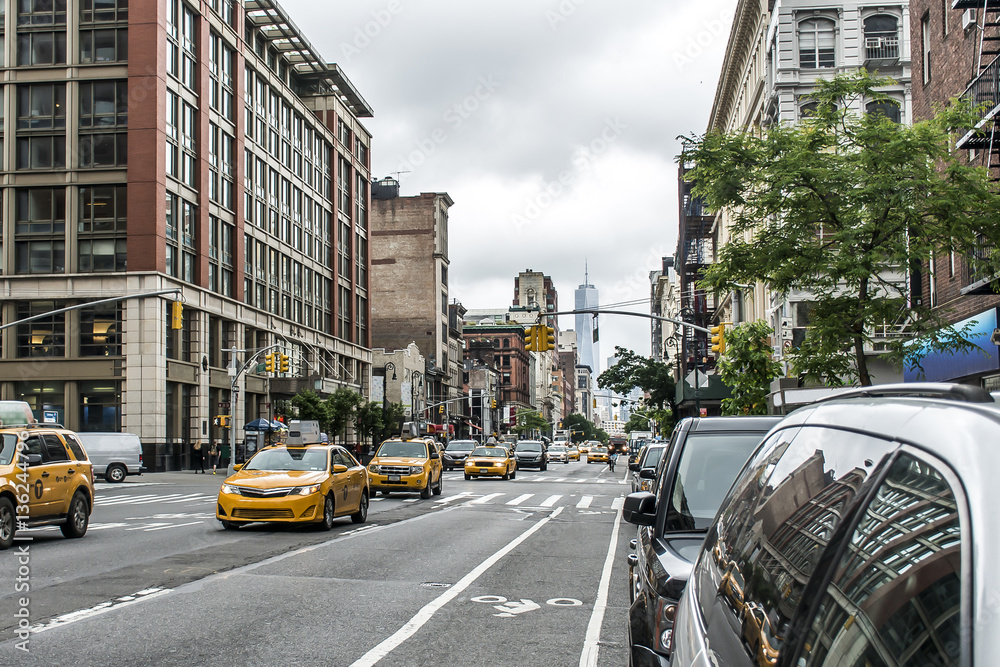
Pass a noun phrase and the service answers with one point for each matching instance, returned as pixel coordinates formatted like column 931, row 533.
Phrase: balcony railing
column 884, row 49
column 983, row 93
column 979, row 271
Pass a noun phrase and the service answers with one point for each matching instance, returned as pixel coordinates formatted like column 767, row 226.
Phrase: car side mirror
column 435, row 455
column 647, row 473
column 237, row 467
column 31, row 459
column 640, row 508
column 338, row 468
column 634, row 467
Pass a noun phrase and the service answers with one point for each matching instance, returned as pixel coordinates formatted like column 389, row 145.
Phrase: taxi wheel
column 425, row 492
column 6, row 523
column 437, row 489
column 362, row 514
column 468, row 476
column 229, row 525
column 78, row 518
column 506, row 475
column 513, row 473
column 328, row 513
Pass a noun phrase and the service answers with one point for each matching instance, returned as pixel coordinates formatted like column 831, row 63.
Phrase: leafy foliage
column 342, row 405
column 631, row 370
column 843, row 206
column 748, row 368
column 581, row 429
column 310, row 406
column 529, row 421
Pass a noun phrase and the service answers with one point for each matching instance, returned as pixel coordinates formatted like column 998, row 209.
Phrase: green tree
column 581, row 428
column 602, row 435
column 631, row 370
column 310, row 406
column 748, row 368
column 342, row 405
column 369, row 420
column 843, row 206
column 529, row 421
column 392, row 421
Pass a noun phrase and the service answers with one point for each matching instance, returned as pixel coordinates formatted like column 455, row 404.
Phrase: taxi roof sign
column 15, row 413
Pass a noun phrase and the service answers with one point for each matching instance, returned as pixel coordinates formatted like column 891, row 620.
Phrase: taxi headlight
column 304, row 490
column 373, row 468
column 416, row 470
column 229, row 488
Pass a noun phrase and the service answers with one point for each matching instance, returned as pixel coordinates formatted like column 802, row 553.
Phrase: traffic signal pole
column 234, row 390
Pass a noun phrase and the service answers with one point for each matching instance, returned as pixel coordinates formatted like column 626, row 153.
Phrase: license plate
column 393, row 478
column 483, row 470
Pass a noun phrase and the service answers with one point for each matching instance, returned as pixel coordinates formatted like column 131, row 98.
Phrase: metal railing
column 882, row 48
column 978, row 266
column 984, row 91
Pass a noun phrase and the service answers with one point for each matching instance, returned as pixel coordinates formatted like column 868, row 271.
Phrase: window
column 895, row 596
column 41, row 12
column 881, row 37
column 40, row 231
column 925, row 45
column 101, row 330
column 105, row 149
column 102, row 229
column 41, row 109
column 44, row 337
column 41, row 48
column 817, row 40
column 103, row 104
column 104, row 45
column 182, row 55
column 885, row 108
column 103, row 11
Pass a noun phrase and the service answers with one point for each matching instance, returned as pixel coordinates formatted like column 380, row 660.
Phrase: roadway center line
column 588, row 658
column 520, row 499
column 427, row 612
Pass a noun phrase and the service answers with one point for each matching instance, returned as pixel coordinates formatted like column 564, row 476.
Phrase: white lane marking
column 550, row 501
column 588, row 658
column 103, row 526
column 520, row 499
column 97, row 610
column 197, row 496
column 584, row 502
column 174, row 525
column 487, row 498
column 617, row 503
column 170, row 499
column 411, row 500
column 559, row 479
column 432, row 607
column 121, row 499
column 539, row 478
column 457, row 496
column 583, row 481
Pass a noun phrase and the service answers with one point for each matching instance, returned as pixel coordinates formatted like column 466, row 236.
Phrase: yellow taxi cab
column 407, row 465
column 490, row 461
column 597, row 454
column 573, row 453
column 46, row 478
column 295, row 484
column 585, row 447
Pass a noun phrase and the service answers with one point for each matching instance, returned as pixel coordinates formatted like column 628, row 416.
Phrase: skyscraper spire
column 586, row 272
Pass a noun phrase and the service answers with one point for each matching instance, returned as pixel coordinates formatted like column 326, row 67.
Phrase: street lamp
column 414, row 394
column 389, row 365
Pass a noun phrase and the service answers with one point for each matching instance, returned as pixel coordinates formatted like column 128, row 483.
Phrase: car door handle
column 70, row 471
column 45, row 474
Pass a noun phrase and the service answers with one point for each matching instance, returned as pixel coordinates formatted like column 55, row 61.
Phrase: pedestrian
column 199, row 458
column 213, row 456
column 612, row 458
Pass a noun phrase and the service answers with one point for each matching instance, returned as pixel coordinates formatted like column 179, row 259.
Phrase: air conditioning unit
column 968, row 18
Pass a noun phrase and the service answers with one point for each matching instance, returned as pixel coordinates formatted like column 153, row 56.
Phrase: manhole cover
column 434, row 584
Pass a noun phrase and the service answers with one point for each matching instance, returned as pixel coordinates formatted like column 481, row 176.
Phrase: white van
column 303, row 432
column 114, row 455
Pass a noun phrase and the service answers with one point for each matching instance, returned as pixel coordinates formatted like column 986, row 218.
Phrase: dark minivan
column 701, row 461
column 863, row 531
column 531, row 454
column 456, row 452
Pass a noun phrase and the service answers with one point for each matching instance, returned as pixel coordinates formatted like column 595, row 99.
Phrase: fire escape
column 695, row 253
column 984, row 93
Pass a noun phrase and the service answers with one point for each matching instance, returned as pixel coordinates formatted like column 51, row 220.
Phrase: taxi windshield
column 409, row 450
column 7, row 448
column 490, row 451
column 281, row 459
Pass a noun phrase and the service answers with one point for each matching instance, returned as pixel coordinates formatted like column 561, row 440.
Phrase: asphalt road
column 489, row 573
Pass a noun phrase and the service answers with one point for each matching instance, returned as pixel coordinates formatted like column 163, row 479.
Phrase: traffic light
column 494, row 404
column 222, row 420
column 269, row 362
column 177, row 315
column 531, row 339
column 719, row 339
column 546, row 338
column 283, row 363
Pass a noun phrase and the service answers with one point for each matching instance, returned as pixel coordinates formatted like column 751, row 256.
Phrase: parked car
column 644, row 469
column 456, row 452
column 531, row 454
column 860, row 528
column 114, row 455
column 701, row 461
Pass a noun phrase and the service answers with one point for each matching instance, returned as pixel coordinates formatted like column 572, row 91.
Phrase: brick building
column 220, row 155
column 502, row 347
column 955, row 53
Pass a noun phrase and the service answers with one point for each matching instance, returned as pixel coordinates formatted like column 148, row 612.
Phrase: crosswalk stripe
column 584, row 502
column 457, row 496
column 121, row 499
column 520, row 499
column 550, row 501
column 583, row 481
column 617, row 503
column 161, row 499
column 196, row 496
column 559, row 479
column 486, row 499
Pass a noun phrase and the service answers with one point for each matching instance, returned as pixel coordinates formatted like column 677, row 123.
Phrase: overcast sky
column 552, row 124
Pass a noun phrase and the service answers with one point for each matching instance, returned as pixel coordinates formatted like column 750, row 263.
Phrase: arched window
column 881, row 37
column 817, row 41
column 807, row 109
column 887, row 108
column 506, row 342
